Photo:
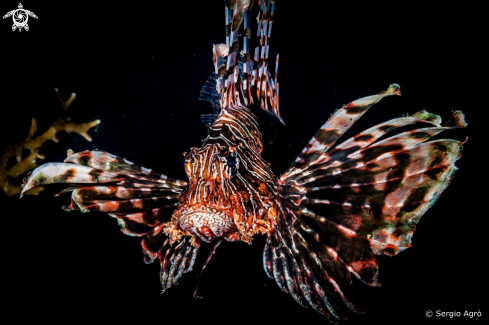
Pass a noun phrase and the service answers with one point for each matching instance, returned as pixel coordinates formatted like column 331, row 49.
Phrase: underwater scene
column 241, row 161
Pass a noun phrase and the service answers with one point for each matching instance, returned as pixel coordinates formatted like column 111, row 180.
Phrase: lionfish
column 325, row 218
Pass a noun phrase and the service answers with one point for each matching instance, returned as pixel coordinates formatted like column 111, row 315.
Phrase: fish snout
column 205, row 222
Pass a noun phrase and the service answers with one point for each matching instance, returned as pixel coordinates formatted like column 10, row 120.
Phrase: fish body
column 325, row 219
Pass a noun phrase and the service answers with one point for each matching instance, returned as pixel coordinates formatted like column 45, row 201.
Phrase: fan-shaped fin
column 141, row 200
column 343, row 204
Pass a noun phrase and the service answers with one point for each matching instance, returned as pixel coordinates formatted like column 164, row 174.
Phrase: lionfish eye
column 231, row 161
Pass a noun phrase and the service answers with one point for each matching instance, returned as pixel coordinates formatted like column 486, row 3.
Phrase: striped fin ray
column 241, row 79
column 363, row 139
column 343, row 205
column 263, row 85
column 232, row 94
column 99, row 192
column 303, row 259
column 108, row 162
column 123, row 206
column 351, row 159
column 316, row 260
column 332, row 130
column 380, row 191
column 141, row 200
column 67, row 173
column 175, row 261
column 381, row 200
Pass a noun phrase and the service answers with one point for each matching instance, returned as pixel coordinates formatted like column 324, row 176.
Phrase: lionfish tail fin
column 141, row 200
column 344, row 204
column 242, row 79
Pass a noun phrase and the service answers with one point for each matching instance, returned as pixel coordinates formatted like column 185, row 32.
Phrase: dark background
column 139, row 68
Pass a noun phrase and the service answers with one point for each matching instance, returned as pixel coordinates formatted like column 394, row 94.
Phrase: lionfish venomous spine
column 324, row 219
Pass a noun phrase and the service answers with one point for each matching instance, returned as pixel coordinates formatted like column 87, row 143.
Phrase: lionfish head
column 232, row 190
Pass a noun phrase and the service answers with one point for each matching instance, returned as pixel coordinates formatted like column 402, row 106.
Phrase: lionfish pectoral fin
column 141, row 200
column 309, row 273
column 343, row 205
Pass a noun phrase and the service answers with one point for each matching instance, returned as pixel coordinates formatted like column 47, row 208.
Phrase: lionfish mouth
column 205, row 221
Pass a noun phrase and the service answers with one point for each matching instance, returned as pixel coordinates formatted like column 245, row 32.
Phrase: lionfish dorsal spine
column 241, row 80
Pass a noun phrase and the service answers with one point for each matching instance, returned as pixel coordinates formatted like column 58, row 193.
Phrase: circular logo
column 429, row 313
column 20, row 17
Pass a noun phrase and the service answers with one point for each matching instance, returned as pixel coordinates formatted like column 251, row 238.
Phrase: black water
column 139, row 68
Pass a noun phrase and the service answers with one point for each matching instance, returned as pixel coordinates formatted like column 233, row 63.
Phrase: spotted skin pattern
column 325, row 218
